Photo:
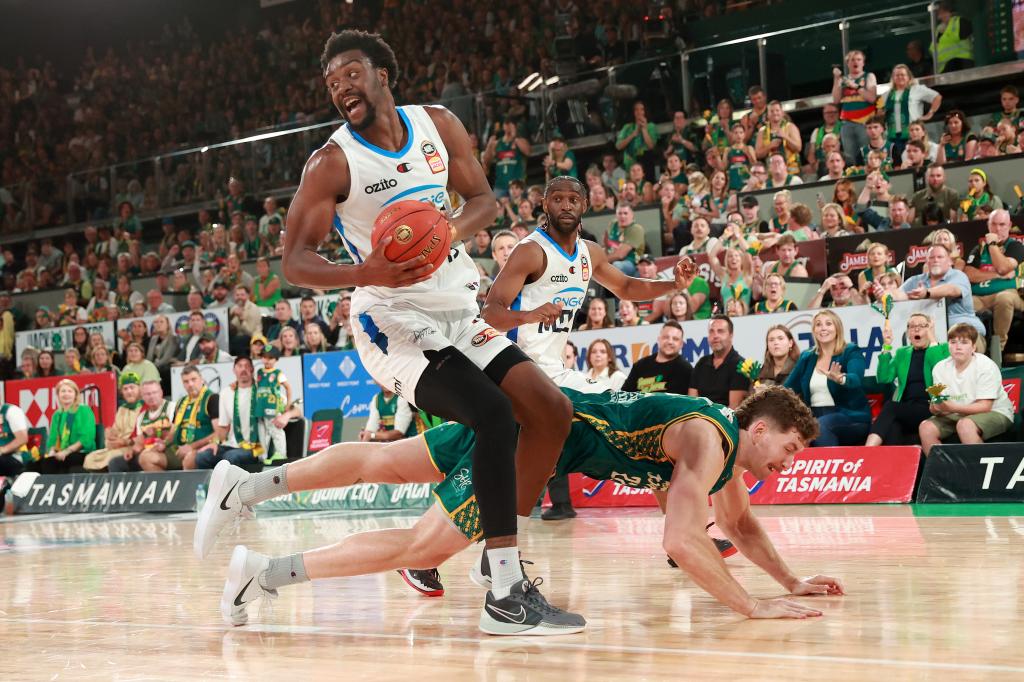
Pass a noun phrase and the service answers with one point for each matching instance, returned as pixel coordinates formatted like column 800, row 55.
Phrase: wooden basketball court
column 934, row 592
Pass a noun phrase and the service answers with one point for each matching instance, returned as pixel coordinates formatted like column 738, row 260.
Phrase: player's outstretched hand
column 782, row 608
column 818, row 584
column 685, row 272
column 549, row 313
column 377, row 270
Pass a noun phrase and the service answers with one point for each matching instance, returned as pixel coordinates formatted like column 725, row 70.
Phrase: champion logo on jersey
column 381, row 185
column 403, row 167
column 434, row 160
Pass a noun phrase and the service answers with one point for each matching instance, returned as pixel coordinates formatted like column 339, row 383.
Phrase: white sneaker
column 222, row 506
column 243, row 585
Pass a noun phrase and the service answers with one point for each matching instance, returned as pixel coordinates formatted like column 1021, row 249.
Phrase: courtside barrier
column 989, row 472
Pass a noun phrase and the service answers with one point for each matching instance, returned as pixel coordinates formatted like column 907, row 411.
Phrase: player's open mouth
column 351, row 104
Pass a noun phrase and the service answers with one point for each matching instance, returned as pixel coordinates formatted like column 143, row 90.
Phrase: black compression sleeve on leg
column 454, row 388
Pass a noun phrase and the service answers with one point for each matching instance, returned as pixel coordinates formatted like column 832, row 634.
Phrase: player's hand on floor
column 818, row 584
column 782, row 608
column 377, row 270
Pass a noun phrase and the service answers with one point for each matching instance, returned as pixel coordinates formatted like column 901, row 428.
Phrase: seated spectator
column 267, row 285
column 72, row 433
column 210, row 352
column 339, row 327
column 14, row 452
column 840, row 291
column 879, row 257
column 597, row 316
column 910, row 371
column 702, row 241
column 941, row 280
column 915, row 158
column 244, row 318
column 233, row 274
column 988, row 146
column 69, row 312
column 612, row 175
column 734, row 275
column 930, row 150
column 628, row 315
column 600, row 200
column 977, row 408
column 136, row 363
column 152, row 448
column 1006, row 139
column 816, row 155
column 290, row 345
column 800, row 224
column 282, row 320
column 624, row 241
column 29, row 366
column 390, row 418
column 501, row 246
column 480, row 246
column 829, row 378
column 735, row 307
column 313, row 339
column 774, row 300
column 833, row 221
column 73, row 364
column 781, row 203
column 560, row 160
column 101, row 298
column 935, row 192
column 308, row 314
column 99, row 360
column 835, row 167
column 162, row 348
column 602, row 368
column 874, row 203
column 979, row 195
column 80, row 340
column 665, row 370
column 993, row 267
column 194, row 300
column 252, row 245
column 752, row 223
column 155, row 304
column 787, row 265
column 237, row 424
column 118, row 438
column 126, row 297
column 780, row 356
column 758, row 179
column 957, row 143
column 189, row 348
column 219, row 300
column 47, row 365
column 714, row 376
column 679, row 309
column 778, row 173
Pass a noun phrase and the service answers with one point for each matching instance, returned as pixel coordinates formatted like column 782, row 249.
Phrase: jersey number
column 562, row 324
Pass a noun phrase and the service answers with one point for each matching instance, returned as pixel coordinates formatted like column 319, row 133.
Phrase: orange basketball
column 417, row 229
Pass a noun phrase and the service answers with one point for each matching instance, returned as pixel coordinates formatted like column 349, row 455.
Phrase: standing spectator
column 941, row 280
column 237, row 424
column 779, row 135
column 903, row 104
column 597, row 316
column 780, row 356
column 283, row 318
column 774, row 300
column 954, row 42
column 270, row 211
column 829, row 378
column 978, row 407
column 935, row 192
column 637, row 138
column 992, row 268
column 560, row 160
column 267, row 285
column 602, row 367
column 910, row 371
column 13, row 441
column 665, row 370
column 756, row 118
column 118, row 438
column 958, row 143
column 855, row 94
column 830, row 125
column 245, row 318
column 72, row 433
column 679, row 142
column 508, row 154
column 737, row 159
column 151, row 448
column 918, row 62
column 390, row 418
column 624, row 241
column 273, row 397
column 715, row 376
column 716, row 133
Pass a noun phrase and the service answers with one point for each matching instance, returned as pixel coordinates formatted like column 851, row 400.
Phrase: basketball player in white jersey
column 416, row 332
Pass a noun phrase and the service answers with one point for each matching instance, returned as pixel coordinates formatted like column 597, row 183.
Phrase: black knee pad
column 454, row 388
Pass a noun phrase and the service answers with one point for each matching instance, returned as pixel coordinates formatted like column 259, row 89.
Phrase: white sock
column 521, row 520
column 505, row 570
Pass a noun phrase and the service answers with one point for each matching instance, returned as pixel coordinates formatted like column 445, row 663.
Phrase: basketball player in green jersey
column 688, row 446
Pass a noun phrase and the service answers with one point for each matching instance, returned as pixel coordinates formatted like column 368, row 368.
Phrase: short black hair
column 673, row 324
column 720, row 316
column 372, row 45
column 575, row 182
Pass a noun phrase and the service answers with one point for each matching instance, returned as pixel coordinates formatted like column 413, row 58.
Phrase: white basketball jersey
column 564, row 281
column 379, row 178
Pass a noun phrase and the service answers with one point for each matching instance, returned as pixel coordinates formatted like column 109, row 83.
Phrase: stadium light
column 552, row 80
column 536, row 84
column 529, row 79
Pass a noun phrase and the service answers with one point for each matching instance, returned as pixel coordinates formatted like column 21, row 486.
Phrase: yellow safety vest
column 951, row 46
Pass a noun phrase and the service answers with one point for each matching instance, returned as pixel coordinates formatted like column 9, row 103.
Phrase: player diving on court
column 689, row 447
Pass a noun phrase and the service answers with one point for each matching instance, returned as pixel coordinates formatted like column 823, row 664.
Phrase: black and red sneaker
column 724, row 547
column 426, row 582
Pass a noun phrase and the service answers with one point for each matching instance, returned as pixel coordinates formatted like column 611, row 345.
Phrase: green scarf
column 236, row 418
column 191, row 407
column 64, row 430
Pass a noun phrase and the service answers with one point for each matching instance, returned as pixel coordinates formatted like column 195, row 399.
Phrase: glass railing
column 791, row 63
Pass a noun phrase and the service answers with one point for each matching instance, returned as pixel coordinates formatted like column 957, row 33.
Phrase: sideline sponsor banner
column 59, row 338
column 216, row 324
column 220, row 375
column 337, row 381
column 171, row 491
column 589, row 492
column 986, row 472
column 38, row 399
column 863, row 326
column 841, row 475
column 849, row 255
column 356, row 497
